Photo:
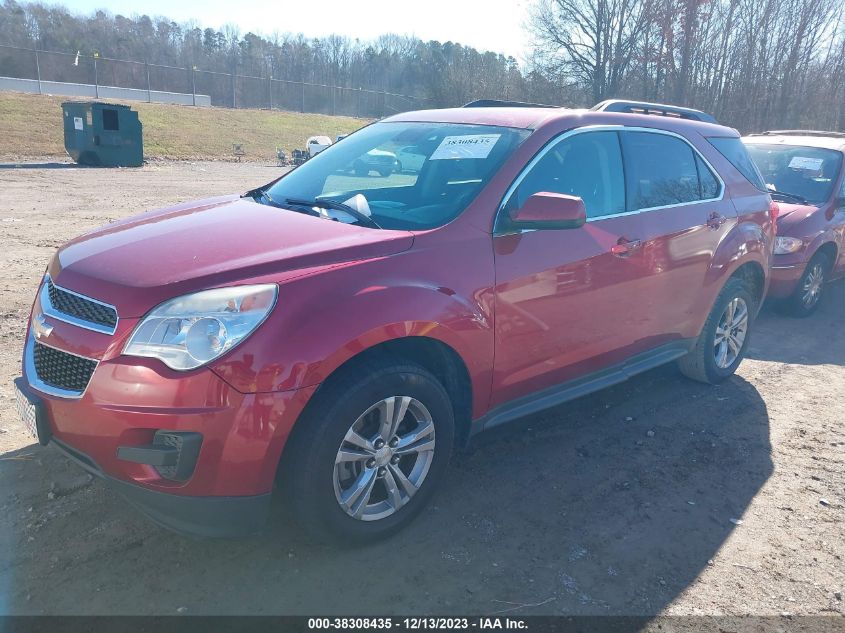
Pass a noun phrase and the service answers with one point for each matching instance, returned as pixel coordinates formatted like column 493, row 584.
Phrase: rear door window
column 663, row 170
column 587, row 165
column 710, row 187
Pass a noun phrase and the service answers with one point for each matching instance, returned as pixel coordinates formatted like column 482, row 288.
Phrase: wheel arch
column 753, row 274
column 830, row 249
column 435, row 356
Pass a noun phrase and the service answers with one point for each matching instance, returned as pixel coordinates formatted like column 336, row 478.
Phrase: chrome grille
column 62, row 370
column 80, row 307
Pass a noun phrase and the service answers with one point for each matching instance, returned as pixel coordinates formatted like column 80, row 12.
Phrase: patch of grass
column 31, row 127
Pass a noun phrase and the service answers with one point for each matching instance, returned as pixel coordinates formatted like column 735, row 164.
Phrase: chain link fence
column 229, row 90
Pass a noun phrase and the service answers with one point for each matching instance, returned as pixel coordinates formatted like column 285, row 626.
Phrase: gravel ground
column 659, row 496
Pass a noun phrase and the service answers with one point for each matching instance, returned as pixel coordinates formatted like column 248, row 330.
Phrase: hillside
column 31, row 128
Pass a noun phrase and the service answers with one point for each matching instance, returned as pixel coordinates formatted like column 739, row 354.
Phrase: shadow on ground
column 809, row 341
column 613, row 504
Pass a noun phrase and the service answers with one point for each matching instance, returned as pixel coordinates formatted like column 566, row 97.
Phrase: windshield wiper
column 325, row 203
column 788, row 196
column 260, row 194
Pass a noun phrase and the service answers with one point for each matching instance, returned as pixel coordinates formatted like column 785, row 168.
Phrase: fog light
column 187, row 446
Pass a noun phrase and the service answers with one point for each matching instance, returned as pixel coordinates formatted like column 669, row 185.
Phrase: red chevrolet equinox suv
column 339, row 333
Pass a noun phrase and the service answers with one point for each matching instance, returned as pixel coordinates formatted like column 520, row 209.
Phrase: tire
column 360, row 169
column 316, row 484
column 808, row 294
column 385, row 172
column 705, row 362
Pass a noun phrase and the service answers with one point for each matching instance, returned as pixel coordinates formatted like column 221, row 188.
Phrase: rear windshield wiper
column 788, row 196
column 325, row 203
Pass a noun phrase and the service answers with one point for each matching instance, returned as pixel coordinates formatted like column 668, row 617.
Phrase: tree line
column 441, row 74
column 754, row 64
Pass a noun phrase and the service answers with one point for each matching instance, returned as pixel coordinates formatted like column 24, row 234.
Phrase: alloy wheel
column 384, row 458
column 731, row 332
column 811, row 290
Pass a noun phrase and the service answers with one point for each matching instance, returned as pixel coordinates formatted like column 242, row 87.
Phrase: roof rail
column 799, row 133
column 496, row 103
column 643, row 107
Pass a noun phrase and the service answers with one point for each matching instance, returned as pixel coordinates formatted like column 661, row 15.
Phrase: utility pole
column 194, row 84
column 234, row 79
column 38, row 70
column 96, row 79
column 149, row 91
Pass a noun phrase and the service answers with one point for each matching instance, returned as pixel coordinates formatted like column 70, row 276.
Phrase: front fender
column 827, row 236
column 321, row 322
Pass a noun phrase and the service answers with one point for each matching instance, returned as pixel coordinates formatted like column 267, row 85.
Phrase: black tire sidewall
column 732, row 290
column 315, row 497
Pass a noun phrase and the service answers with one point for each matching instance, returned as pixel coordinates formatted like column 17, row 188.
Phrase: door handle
column 715, row 220
column 624, row 247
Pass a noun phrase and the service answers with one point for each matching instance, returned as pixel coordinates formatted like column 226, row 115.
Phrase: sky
column 494, row 25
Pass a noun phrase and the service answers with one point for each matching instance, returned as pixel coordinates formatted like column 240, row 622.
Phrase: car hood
column 139, row 262
column 793, row 213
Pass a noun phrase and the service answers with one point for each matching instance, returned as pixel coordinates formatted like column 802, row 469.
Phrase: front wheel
column 724, row 339
column 808, row 294
column 370, row 453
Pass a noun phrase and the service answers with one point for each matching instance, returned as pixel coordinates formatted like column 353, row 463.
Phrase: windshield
column 808, row 173
column 407, row 176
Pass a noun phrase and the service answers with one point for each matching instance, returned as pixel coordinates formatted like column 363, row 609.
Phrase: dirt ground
column 659, row 496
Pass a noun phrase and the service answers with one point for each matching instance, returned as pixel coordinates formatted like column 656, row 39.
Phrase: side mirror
column 550, row 211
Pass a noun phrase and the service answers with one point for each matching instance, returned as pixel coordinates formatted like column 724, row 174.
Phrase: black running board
column 559, row 394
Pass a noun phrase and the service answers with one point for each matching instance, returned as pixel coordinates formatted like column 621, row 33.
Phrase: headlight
column 784, row 245
column 192, row 330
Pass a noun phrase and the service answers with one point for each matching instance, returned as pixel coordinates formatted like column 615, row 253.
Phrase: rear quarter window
column 734, row 150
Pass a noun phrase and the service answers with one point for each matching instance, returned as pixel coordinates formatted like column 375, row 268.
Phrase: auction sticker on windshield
column 806, row 164
column 467, row 146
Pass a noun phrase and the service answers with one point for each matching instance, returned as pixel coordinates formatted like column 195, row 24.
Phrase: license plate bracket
column 32, row 411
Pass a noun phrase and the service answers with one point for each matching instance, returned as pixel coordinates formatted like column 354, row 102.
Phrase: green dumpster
column 103, row 134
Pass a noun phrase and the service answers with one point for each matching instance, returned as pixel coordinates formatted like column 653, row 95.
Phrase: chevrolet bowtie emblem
column 40, row 326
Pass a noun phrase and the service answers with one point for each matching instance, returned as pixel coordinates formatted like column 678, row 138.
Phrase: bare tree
column 753, row 63
column 590, row 40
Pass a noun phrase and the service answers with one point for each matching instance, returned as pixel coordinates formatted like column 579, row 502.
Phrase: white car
column 316, row 144
column 410, row 158
column 378, row 160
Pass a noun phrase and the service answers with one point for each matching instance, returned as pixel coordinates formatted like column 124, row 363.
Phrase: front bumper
column 129, row 401
column 199, row 516
column 784, row 279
